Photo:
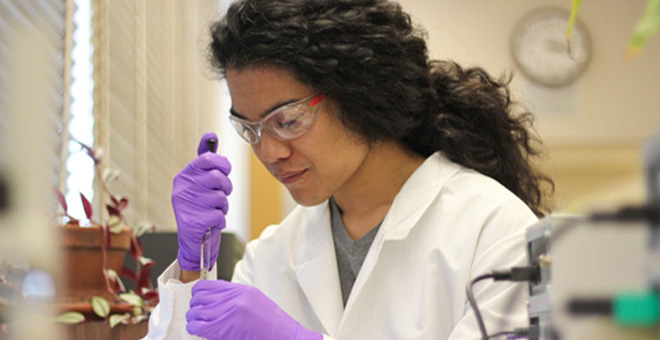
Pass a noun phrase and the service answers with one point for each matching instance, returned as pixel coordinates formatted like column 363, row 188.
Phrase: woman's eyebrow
column 236, row 114
column 271, row 109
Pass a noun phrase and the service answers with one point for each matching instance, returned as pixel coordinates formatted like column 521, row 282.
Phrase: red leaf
column 88, row 206
column 128, row 273
column 113, row 211
column 149, row 295
column 136, row 248
column 114, row 200
column 144, row 281
column 146, row 262
column 115, row 284
column 123, row 203
column 118, row 288
column 60, row 197
column 90, row 151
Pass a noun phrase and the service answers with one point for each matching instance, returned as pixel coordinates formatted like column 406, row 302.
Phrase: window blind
column 32, row 106
column 25, row 28
column 154, row 96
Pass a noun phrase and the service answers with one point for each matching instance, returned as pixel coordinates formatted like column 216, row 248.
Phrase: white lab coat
column 447, row 225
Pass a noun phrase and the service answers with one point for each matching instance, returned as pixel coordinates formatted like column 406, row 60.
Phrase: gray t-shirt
column 350, row 253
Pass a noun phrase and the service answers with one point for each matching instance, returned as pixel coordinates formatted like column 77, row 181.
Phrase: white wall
column 593, row 128
column 614, row 96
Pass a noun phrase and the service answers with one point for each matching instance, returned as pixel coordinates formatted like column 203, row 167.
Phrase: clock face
column 540, row 49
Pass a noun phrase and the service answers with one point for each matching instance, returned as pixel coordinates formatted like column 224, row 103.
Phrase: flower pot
column 83, row 262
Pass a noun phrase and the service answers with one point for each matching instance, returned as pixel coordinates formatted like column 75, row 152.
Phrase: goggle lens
column 287, row 122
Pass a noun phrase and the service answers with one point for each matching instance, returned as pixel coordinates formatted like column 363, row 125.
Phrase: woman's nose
column 270, row 149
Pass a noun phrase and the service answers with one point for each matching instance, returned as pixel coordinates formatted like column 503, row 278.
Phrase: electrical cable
column 515, row 334
column 475, row 307
column 497, row 335
column 515, row 274
column 532, row 273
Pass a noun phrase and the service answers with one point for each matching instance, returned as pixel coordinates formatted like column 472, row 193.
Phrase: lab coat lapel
column 409, row 205
column 316, row 268
column 416, row 195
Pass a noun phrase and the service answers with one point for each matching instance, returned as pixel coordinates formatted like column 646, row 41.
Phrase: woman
column 412, row 177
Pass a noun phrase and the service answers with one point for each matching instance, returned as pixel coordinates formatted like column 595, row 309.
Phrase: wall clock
column 540, row 49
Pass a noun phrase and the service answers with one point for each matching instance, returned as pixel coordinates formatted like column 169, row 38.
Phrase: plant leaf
column 97, row 154
column 123, row 203
column 136, row 248
column 116, row 319
column 60, row 198
column 88, row 206
column 110, row 175
column 140, row 318
column 93, row 154
column 132, row 299
column 144, row 279
column 149, row 294
column 113, row 211
column 146, row 262
column 119, row 286
column 111, row 273
column 645, row 29
column 127, row 272
column 113, row 221
column 116, row 280
column 143, row 227
column 117, row 228
column 571, row 21
column 71, row 318
column 101, row 306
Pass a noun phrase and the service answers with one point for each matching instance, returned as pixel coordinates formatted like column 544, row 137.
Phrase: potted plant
column 94, row 256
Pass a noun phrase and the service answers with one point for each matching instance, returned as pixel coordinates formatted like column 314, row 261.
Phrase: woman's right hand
column 199, row 200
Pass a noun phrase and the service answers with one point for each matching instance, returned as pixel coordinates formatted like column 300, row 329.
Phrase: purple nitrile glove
column 221, row 310
column 199, row 200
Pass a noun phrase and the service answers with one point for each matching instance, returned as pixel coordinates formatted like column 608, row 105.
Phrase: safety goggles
column 286, row 122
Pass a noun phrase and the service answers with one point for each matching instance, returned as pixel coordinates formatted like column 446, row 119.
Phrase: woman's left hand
column 225, row 310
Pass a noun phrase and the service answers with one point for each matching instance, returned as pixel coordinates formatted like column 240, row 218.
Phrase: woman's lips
column 291, row 177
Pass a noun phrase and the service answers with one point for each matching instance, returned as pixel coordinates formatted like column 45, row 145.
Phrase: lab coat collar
column 316, row 268
column 316, row 262
column 408, row 206
column 416, row 195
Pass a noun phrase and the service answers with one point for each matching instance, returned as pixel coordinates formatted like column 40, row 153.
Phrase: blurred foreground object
column 599, row 274
column 31, row 106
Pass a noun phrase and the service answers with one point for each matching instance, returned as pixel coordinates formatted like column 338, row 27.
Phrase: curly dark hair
column 373, row 62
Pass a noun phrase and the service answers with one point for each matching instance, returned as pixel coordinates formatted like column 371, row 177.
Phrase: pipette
column 205, row 256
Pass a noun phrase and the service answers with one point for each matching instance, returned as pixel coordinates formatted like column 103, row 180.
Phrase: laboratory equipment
column 600, row 271
column 584, row 259
column 205, row 258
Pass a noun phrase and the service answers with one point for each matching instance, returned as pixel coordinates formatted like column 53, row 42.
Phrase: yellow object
column 645, row 29
column 265, row 198
column 571, row 21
